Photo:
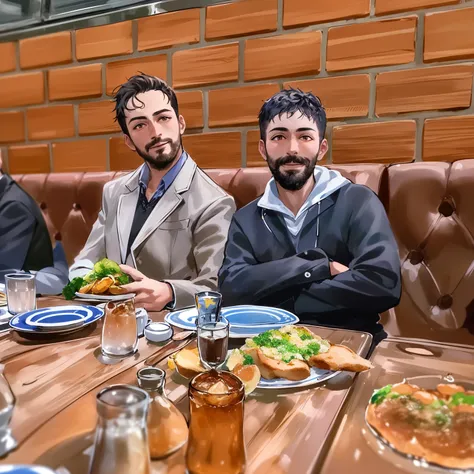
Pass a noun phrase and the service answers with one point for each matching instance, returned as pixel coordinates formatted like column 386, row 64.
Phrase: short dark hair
column 290, row 101
column 137, row 85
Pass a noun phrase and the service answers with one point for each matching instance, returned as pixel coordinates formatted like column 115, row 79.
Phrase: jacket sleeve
column 94, row 249
column 17, row 226
column 244, row 280
column 373, row 281
column 209, row 237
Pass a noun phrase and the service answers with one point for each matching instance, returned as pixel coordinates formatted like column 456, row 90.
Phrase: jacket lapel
column 278, row 228
column 168, row 203
column 125, row 212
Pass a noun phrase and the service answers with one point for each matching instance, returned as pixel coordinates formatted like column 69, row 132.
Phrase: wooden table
column 55, row 383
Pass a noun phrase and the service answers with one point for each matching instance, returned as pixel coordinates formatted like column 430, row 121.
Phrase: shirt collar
column 167, row 179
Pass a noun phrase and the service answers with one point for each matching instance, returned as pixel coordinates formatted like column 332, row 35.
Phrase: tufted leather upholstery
column 429, row 205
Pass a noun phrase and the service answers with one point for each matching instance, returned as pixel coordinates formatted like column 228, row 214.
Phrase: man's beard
column 160, row 160
column 292, row 180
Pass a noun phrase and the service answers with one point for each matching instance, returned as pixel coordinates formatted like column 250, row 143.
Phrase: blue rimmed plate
column 56, row 319
column 244, row 320
column 24, row 469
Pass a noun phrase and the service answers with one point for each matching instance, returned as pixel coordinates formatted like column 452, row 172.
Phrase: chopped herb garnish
column 461, row 398
column 380, row 395
column 248, row 360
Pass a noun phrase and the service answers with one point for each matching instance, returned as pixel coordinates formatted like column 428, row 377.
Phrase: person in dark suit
column 25, row 244
column 315, row 243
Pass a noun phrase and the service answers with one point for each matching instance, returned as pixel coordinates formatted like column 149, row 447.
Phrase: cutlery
column 177, row 342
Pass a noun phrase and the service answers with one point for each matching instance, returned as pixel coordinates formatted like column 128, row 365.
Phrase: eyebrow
column 142, row 117
column 284, row 129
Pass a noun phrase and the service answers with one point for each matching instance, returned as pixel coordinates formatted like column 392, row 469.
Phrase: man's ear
column 182, row 124
column 262, row 149
column 323, row 148
column 129, row 143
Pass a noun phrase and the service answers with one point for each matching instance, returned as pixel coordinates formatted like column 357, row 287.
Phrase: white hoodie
column 327, row 181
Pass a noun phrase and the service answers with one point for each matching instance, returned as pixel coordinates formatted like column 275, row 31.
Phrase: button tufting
column 307, row 274
column 57, row 236
column 445, row 302
column 446, row 208
column 43, row 205
column 416, row 256
column 76, row 206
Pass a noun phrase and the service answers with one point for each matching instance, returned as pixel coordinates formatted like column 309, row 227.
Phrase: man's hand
column 151, row 294
column 336, row 268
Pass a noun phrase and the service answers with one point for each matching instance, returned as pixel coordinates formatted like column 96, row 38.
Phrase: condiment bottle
column 167, row 427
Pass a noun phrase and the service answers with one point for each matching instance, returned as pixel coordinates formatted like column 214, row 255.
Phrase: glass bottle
column 216, row 427
column 167, row 427
column 121, row 444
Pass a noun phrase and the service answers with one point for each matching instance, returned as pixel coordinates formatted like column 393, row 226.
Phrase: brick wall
column 395, row 76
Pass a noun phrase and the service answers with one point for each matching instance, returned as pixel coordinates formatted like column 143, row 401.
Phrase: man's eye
column 164, row 118
column 306, row 137
column 278, row 137
column 138, row 126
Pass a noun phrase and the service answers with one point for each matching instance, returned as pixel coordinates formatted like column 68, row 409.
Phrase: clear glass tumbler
column 216, row 428
column 213, row 343
column 208, row 305
column 119, row 331
column 121, row 443
column 21, row 292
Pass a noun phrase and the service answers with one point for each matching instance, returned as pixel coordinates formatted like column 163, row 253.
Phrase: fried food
column 102, row 285
column 435, row 425
column 291, row 351
column 3, row 299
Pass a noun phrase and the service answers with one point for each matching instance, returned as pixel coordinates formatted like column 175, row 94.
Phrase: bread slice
column 271, row 368
column 340, row 358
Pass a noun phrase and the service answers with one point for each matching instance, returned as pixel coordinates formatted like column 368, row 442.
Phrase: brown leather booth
column 430, row 206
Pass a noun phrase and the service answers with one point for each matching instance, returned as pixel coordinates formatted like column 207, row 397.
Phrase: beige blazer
column 182, row 241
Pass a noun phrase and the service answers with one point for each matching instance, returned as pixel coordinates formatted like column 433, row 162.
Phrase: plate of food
column 103, row 283
column 289, row 357
column 428, row 419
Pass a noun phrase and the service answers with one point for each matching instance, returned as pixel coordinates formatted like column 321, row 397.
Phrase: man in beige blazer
column 167, row 221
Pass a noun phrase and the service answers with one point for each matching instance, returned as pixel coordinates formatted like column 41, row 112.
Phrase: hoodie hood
column 327, row 182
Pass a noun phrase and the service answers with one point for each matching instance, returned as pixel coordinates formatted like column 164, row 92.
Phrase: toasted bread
column 340, row 358
column 274, row 369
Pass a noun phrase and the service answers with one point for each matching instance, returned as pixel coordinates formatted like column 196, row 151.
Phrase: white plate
column 92, row 297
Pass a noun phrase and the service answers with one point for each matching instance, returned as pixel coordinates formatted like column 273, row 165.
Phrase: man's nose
column 293, row 150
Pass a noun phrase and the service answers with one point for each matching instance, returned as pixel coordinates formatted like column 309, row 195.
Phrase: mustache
column 156, row 141
column 285, row 160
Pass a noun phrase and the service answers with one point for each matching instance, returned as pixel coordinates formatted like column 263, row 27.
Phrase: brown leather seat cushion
column 429, row 205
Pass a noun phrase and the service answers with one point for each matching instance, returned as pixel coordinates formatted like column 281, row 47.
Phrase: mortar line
column 243, row 149
column 202, row 26
column 73, row 47
column 419, row 139
column 241, row 62
column 17, row 56
column 134, row 36
column 205, row 111
column 372, row 95
column 280, row 16
column 324, row 48
column 419, row 39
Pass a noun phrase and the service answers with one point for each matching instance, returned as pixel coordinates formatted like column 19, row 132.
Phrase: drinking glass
column 208, row 305
column 216, row 427
column 213, row 342
column 121, row 444
column 7, row 404
column 119, row 332
column 21, row 292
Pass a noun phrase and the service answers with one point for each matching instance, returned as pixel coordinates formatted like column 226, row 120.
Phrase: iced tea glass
column 213, row 342
column 119, row 332
column 216, row 428
column 121, row 443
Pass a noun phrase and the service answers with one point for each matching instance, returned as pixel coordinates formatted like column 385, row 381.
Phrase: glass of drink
column 21, row 292
column 208, row 304
column 216, row 437
column 121, row 444
column 119, row 332
column 213, row 342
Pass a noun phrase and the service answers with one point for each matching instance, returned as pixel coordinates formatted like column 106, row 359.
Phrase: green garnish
column 69, row 291
column 380, row 395
column 248, row 360
column 441, row 418
column 438, row 404
column 461, row 398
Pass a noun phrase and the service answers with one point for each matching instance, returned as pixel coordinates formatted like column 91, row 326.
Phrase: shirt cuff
column 172, row 304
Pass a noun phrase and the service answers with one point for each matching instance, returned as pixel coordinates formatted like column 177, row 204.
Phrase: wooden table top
column 56, row 381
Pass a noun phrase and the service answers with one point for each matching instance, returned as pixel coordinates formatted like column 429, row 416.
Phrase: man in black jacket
column 25, row 244
column 314, row 243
